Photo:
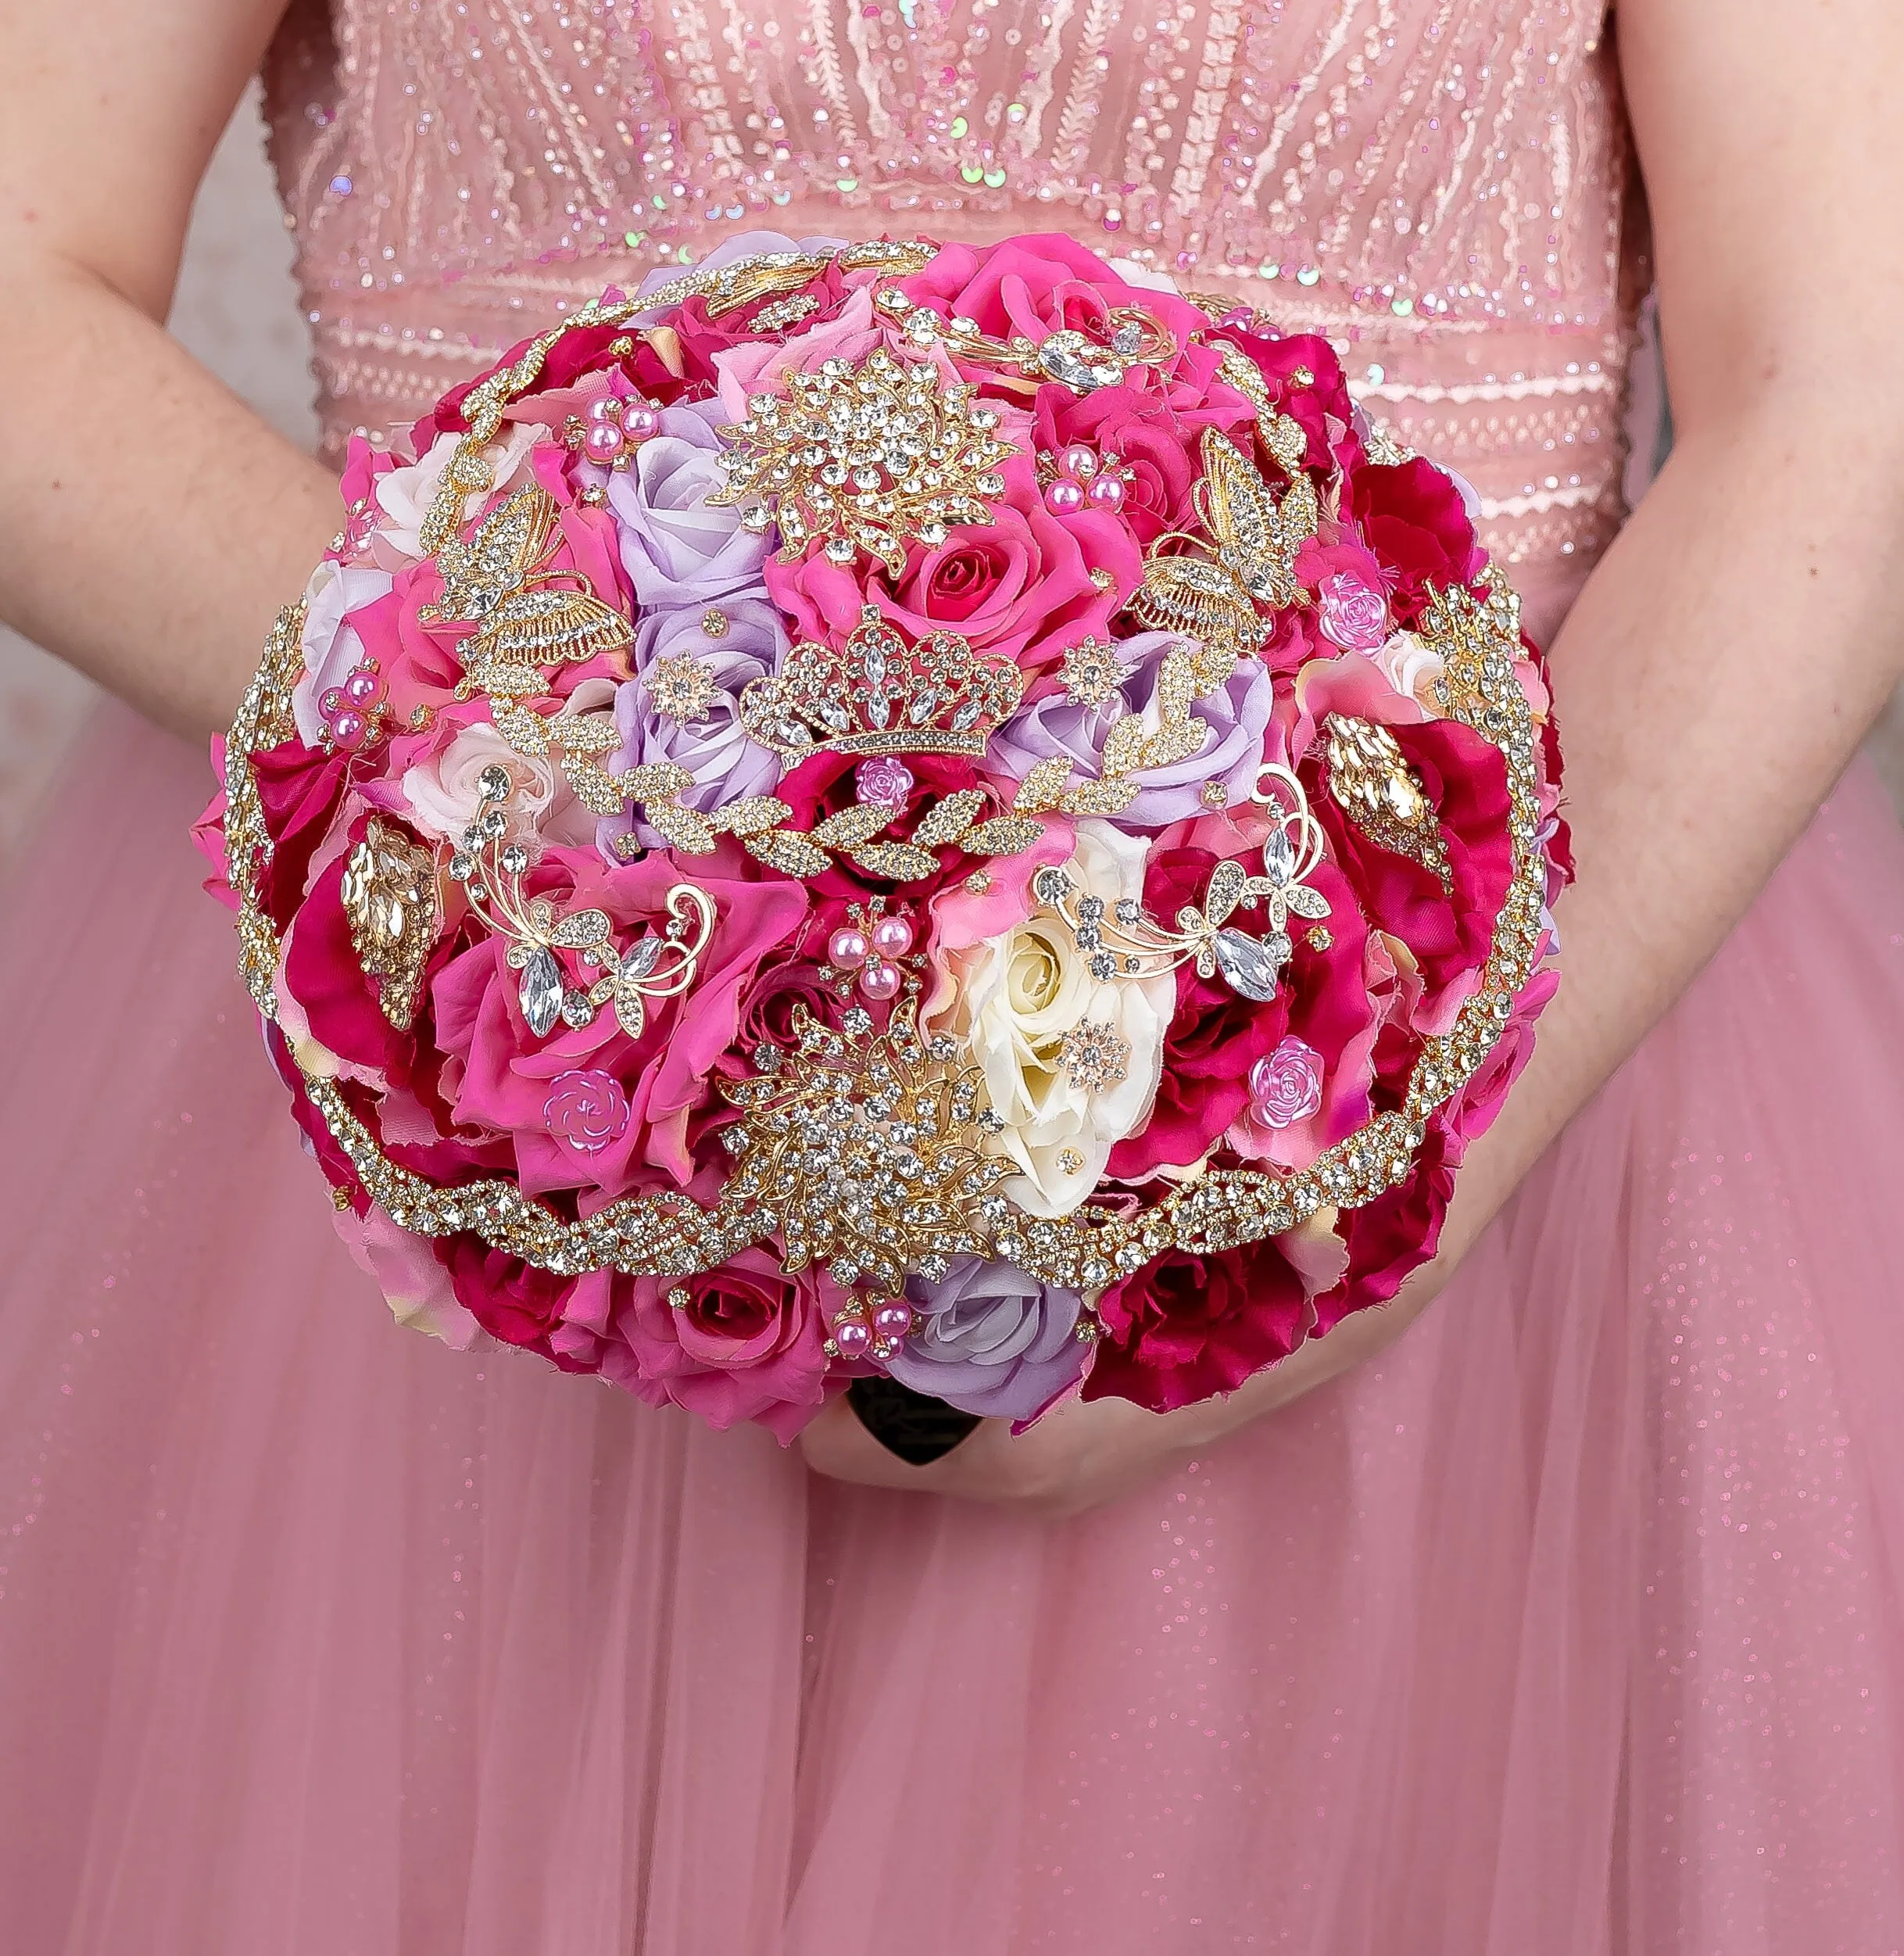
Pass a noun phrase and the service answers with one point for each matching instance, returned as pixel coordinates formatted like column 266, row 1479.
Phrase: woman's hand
column 1083, row 1453
column 1724, row 661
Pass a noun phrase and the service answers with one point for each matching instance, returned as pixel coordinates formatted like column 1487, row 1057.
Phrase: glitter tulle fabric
column 1573, row 1626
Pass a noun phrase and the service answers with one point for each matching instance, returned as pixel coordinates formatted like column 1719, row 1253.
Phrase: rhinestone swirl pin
column 1121, row 941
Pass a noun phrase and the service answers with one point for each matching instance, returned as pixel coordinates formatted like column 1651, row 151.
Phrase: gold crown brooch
column 882, row 696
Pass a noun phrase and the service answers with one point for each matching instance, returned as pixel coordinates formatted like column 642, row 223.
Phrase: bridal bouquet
column 882, row 808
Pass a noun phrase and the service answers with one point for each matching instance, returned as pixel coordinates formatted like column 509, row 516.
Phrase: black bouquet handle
column 918, row 1428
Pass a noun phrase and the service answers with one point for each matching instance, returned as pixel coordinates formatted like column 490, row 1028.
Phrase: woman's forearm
column 152, row 523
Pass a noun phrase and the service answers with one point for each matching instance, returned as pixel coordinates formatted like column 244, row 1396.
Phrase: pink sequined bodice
column 1435, row 183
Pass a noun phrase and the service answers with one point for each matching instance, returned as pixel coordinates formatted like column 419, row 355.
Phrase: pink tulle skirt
column 1576, row 1625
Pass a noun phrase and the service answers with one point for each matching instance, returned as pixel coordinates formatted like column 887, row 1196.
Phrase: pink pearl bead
column 853, row 1335
column 1107, row 491
column 330, row 702
column 607, row 409
column 893, row 1320
column 1065, row 497
column 892, row 937
column 603, row 443
column 347, row 729
column 880, row 981
column 1079, row 460
column 641, row 422
column 847, row 947
column 363, row 689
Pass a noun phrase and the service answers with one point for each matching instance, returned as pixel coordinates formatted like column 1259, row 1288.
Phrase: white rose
column 444, row 797
column 1412, row 667
column 405, row 495
column 1019, row 994
column 444, row 793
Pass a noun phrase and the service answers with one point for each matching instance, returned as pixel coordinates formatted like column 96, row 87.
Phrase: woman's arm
column 150, row 524
column 1724, row 661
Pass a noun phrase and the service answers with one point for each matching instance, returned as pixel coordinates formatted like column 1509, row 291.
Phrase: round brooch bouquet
column 894, row 809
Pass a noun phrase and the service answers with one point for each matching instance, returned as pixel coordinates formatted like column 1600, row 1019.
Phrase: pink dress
column 1573, row 1626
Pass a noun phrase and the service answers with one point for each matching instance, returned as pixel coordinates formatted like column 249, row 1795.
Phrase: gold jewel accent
column 1102, row 578
column 1095, row 1056
column 389, row 897
column 681, row 687
column 865, row 457
column 526, row 615
column 670, row 1235
column 1214, row 794
column 862, row 1151
column 882, row 696
column 784, row 312
column 1321, row 938
column 1069, row 1160
column 1092, row 672
column 715, row 622
column 1373, row 785
column 1253, row 540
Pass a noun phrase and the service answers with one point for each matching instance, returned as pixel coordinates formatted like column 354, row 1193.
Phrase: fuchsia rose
column 1322, row 404
column 1416, row 523
column 745, row 1341
column 1186, row 1326
column 1218, row 1036
column 1037, row 285
column 1156, row 442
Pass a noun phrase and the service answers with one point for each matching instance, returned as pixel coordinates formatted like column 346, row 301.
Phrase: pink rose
column 1354, row 615
column 1286, row 1086
column 1019, row 587
column 500, row 1078
column 587, row 1109
column 1038, row 286
column 745, row 1341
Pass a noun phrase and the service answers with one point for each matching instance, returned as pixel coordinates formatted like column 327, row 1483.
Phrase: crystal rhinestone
column 541, row 992
column 1052, row 886
column 858, row 1022
column 515, row 859
column 840, row 549
column 1250, row 966
column 494, row 824
column 494, row 783
column 577, row 1009
column 462, row 866
column 766, row 1057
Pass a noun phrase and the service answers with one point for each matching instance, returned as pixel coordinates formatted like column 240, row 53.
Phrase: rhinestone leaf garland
column 868, row 458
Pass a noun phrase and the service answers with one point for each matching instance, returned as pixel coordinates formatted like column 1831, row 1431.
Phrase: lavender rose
column 992, row 1340
column 683, row 705
column 1237, row 714
column 680, row 549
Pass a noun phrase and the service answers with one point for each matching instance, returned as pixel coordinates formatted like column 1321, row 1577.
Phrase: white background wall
column 238, row 310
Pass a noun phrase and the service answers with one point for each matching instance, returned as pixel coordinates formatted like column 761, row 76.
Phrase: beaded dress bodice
column 1435, row 183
